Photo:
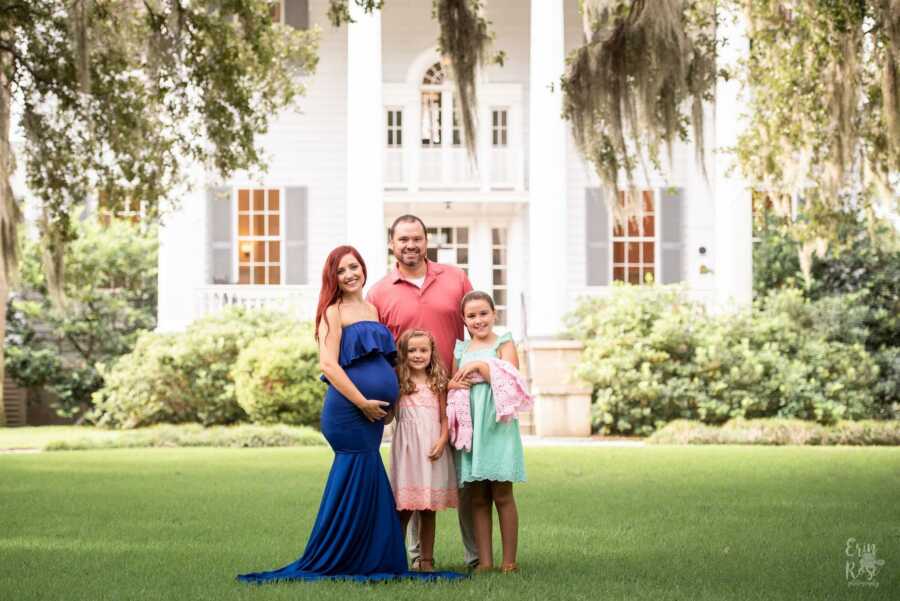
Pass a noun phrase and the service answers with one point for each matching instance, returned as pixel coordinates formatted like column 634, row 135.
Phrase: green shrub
column 775, row 431
column 277, row 380
column 194, row 435
column 110, row 289
column 653, row 356
column 187, row 376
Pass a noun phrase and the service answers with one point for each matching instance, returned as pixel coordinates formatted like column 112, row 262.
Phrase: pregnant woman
column 357, row 533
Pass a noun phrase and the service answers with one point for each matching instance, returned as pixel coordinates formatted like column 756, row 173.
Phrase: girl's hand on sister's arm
column 454, row 385
column 462, row 375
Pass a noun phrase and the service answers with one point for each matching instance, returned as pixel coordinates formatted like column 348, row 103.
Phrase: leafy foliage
column 824, row 114
column 193, row 435
column 116, row 95
column 773, row 431
column 111, row 292
column 864, row 262
column 277, row 379
column 187, row 376
column 654, row 356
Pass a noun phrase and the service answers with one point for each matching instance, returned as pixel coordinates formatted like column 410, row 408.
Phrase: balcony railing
column 297, row 301
column 431, row 168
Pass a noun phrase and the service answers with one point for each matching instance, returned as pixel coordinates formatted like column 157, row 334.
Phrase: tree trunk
column 8, row 217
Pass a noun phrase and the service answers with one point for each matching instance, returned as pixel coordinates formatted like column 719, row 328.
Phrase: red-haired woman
column 357, row 531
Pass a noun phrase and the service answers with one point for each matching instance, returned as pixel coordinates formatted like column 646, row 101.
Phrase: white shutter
column 670, row 221
column 296, row 236
column 597, row 232
column 220, row 215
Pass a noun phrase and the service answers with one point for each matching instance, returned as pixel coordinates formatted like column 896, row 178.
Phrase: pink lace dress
column 418, row 482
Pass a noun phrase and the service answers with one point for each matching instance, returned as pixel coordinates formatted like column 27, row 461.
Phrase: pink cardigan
column 510, row 397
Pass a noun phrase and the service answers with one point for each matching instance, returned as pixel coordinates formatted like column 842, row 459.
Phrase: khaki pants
column 466, row 531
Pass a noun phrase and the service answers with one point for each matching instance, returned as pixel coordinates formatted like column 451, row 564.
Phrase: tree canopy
column 116, row 96
column 821, row 79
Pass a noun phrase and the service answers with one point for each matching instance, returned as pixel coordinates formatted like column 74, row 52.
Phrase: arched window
column 434, row 76
column 432, row 105
column 436, row 92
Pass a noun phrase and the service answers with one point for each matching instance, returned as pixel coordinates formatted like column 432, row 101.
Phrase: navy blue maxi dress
column 357, row 533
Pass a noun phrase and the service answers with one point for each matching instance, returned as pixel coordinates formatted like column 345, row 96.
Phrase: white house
column 376, row 137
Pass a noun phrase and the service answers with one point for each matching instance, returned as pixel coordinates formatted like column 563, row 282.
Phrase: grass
column 656, row 523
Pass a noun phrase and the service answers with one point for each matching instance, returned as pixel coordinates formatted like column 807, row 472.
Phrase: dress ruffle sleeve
column 362, row 339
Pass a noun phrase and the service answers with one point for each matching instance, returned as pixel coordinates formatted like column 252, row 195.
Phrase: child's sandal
column 509, row 568
column 426, row 565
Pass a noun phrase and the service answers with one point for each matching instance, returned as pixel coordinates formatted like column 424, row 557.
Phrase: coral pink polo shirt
column 434, row 307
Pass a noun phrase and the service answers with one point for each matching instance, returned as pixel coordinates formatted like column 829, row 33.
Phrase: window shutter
column 296, row 13
column 295, row 234
column 219, row 211
column 671, row 235
column 597, row 236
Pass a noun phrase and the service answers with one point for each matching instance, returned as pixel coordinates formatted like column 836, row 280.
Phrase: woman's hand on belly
column 373, row 409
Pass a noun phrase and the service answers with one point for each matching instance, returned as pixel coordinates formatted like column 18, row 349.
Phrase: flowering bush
column 186, row 376
column 277, row 380
column 654, row 356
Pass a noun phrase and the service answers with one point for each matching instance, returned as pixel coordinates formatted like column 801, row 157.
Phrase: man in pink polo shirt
column 422, row 294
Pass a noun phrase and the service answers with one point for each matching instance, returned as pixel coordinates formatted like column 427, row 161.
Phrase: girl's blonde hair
column 437, row 373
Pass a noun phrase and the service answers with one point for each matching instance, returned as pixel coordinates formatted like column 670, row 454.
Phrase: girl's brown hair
column 437, row 374
column 474, row 295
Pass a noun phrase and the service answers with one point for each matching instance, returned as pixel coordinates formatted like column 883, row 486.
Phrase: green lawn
column 685, row 523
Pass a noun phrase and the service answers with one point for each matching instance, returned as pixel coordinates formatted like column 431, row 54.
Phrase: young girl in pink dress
column 422, row 472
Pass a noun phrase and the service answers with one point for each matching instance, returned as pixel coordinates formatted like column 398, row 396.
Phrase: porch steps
column 15, row 405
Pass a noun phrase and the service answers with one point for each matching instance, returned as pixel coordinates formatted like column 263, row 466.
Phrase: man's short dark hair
column 406, row 219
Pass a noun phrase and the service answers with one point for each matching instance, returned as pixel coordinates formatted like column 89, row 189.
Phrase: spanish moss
column 625, row 87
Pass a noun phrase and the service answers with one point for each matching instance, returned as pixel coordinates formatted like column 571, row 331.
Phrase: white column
column 365, row 141
column 183, row 234
column 547, row 172
column 732, row 195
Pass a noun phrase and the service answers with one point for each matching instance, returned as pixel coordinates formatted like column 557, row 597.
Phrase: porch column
column 547, row 256
column 731, row 194
column 365, row 141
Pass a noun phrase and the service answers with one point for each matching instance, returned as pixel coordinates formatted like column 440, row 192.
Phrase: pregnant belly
column 375, row 378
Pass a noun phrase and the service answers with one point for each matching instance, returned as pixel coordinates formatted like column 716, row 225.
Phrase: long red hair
column 331, row 290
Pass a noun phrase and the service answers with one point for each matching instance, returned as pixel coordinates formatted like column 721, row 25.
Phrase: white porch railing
column 446, row 168
column 451, row 168
column 297, row 301
column 394, row 172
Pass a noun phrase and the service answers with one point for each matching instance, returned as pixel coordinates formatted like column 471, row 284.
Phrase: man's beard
column 411, row 261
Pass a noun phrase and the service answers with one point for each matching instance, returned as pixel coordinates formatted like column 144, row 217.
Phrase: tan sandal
column 509, row 568
column 480, row 569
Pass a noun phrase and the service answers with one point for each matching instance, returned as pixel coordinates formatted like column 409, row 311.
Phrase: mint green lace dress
column 496, row 446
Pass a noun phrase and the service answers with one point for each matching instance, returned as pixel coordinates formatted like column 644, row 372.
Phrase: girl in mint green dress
column 496, row 459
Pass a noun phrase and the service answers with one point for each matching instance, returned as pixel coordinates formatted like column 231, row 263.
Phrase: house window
column 127, row 210
column 394, row 128
column 449, row 245
column 457, row 128
column 499, row 282
column 634, row 246
column 259, row 236
column 499, row 127
column 431, row 118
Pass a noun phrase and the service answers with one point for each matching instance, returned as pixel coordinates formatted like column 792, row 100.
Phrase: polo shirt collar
column 432, row 270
